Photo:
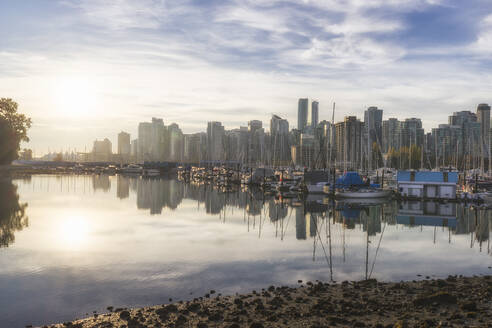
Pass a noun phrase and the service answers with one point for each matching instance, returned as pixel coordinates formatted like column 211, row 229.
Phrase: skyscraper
column 411, row 132
column 302, row 114
column 144, row 141
column 102, row 150
column 391, row 134
column 373, row 123
column 175, row 140
column 157, row 141
column 279, row 133
column 348, row 142
column 124, row 143
column 313, row 115
column 483, row 116
column 256, row 142
column 215, row 139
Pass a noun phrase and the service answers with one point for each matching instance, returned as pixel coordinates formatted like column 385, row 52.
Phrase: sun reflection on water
column 74, row 232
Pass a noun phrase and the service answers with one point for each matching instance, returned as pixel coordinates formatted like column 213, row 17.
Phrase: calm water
column 71, row 245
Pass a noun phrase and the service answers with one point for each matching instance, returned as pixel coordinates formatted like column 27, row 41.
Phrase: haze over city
column 87, row 69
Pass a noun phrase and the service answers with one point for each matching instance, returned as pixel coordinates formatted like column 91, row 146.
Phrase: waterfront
column 87, row 242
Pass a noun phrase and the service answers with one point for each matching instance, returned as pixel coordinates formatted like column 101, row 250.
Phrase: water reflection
column 157, row 195
column 12, row 213
column 125, row 241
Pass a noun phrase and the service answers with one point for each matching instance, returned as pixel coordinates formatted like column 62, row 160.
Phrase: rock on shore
column 451, row 302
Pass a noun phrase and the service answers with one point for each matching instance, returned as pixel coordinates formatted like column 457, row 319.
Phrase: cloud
column 242, row 60
column 121, row 14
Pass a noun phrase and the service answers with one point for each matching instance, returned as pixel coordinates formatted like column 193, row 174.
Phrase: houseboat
column 427, row 184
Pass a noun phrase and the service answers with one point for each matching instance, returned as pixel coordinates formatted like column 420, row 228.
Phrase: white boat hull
column 315, row 189
column 364, row 194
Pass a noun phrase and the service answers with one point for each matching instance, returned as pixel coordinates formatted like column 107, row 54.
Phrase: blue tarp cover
column 349, row 179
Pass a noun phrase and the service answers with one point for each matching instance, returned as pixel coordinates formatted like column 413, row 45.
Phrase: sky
column 88, row 69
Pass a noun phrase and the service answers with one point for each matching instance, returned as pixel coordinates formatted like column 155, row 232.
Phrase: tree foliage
column 405, row 157
column 13, row 130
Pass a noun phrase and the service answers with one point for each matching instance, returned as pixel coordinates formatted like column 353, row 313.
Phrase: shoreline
column 451, row 302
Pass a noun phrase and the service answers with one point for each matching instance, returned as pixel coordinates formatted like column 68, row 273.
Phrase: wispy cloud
column 238, row 60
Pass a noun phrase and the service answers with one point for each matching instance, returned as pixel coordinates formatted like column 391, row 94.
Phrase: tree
column 13, row 130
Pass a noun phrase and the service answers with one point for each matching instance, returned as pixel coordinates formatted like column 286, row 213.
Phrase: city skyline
column 78, row 66
column 463, row 141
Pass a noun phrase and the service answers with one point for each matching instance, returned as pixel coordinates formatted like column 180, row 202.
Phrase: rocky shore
column 451, row 302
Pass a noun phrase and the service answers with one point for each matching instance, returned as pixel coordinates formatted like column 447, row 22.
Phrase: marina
column 82, row 243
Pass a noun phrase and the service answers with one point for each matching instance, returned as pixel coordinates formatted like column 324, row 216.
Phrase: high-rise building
column 102, row 150
column 124, row 146
column 257, row 151
column 175, row 139
column 446, row 145
column 468, row 146
column 134, row 149
column 373, row 124
column 215, row 141
column 391, row 134
column 302, row 113
column 158, row 140
column 348, row 140
column 483, row 116
column 313, row 115
column 144, row 141
column 194, row 148
column 411, row 133
column 278, row 125
column 279, row 139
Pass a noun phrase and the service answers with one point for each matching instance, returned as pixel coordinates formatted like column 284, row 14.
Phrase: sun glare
column 74, row 232
column 75, row 96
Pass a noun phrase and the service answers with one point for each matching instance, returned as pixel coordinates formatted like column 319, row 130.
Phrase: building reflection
column 156, row 194
column 309, row 212
column 415, row 213
column 13, row 216
column 101, row 182
column 122, row 187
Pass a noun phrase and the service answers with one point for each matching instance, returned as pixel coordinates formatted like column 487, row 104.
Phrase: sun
column 75, row 96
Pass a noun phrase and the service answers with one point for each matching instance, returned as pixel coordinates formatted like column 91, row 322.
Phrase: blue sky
column 86, row 69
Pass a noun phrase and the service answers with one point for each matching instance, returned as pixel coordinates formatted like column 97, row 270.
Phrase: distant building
column 144, row 141
column 373, row 131
column 411, row 133
column 215, row 140
column 175, row 143
column 194, row 148
column 391, row 134
column 134, row 149
column 302, row 113
column 279, row 139
column 158, row 140
column 124, row 146
column 308, row 150
column 348, row 142
column 313, row 116
column 257, row 151
column 102, row 150
column 468, row 146
column 446, row 144
column 483, row 116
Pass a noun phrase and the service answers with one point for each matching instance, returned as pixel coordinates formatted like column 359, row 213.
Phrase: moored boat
column 363, row 193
